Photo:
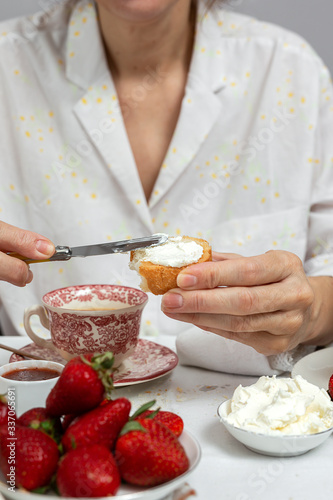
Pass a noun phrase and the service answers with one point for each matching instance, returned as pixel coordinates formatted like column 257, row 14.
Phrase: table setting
column 189, row 375
column 227, row 469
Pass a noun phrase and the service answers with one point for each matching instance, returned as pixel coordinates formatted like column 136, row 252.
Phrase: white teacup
column 89, row 319
column 23, row 395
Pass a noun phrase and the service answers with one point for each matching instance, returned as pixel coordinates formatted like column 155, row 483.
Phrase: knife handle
column 25, row 259
column 62, row 253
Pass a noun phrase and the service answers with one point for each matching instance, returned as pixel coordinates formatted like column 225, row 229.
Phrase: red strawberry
column 31, row 459
column 171, row 420
column 99, row 426
column 67, row 420
column 90, row 471
column 168, row 418
column 330, row 387
column 148, row 453
column 81, row 385
column 38, row 418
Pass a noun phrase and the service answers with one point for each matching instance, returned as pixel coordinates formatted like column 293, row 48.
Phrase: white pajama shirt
column 249, row 167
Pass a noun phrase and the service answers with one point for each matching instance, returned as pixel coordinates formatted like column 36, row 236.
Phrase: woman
column 127, row 118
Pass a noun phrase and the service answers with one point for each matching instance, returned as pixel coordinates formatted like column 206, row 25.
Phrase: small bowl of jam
column 27, row 383
column 31, row 374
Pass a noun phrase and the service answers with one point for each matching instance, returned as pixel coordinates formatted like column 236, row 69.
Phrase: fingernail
column 29, row 277
column 186, row 280
column 45, row 247
column 172, row 301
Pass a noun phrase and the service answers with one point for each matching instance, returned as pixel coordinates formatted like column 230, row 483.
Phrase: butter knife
column 65, row 253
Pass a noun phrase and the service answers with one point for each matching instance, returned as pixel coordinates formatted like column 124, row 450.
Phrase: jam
column 31, row 374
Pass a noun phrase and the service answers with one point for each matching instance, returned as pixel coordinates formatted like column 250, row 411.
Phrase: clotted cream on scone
column 160, row 265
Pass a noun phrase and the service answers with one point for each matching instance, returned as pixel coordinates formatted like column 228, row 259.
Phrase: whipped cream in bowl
column 279, row 416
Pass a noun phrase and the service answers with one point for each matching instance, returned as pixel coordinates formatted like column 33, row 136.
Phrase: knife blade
column 63, row 253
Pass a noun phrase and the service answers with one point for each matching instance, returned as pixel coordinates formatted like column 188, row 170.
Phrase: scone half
column 157, row 278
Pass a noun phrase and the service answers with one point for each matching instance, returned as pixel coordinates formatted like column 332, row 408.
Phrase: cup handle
column 39, row 311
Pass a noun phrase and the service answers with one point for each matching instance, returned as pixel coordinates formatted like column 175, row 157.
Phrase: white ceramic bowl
column 30, row 394
column 276, row 446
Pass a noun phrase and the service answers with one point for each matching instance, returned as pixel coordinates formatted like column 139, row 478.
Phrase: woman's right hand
column 26, row 243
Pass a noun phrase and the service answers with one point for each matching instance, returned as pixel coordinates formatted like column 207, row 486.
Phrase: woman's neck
column 164, row 41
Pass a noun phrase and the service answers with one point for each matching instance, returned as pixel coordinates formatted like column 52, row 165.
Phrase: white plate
column 127, row 492
column 316, row 367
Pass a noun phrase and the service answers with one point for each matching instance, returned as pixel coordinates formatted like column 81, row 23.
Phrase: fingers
column 14, row 271
column 225, row 256
column 27, row 243
column 240, row 301
column 263, row 301
column 277, row 324
column 271, row 267
column 263, row 341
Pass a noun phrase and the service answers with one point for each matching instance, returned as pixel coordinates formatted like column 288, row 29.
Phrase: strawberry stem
column 42, row 490
column 102, row 364
column 103, row 361
column 133, row 425
column 153, row 414
column 143, row 408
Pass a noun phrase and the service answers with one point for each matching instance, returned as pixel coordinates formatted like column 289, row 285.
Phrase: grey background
column 310, row 18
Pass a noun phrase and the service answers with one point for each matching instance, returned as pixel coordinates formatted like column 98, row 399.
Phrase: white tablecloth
column 228, row 470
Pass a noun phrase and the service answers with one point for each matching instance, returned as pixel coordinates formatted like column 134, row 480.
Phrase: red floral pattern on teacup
column 68, row 324
column 104, row 320
column 87, row 293
column 80, row 331
column 83, row 334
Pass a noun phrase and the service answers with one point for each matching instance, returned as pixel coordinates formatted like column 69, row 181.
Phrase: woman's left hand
column 265, row 301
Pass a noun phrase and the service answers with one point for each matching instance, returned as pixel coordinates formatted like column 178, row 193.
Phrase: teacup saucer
column 148, row 362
